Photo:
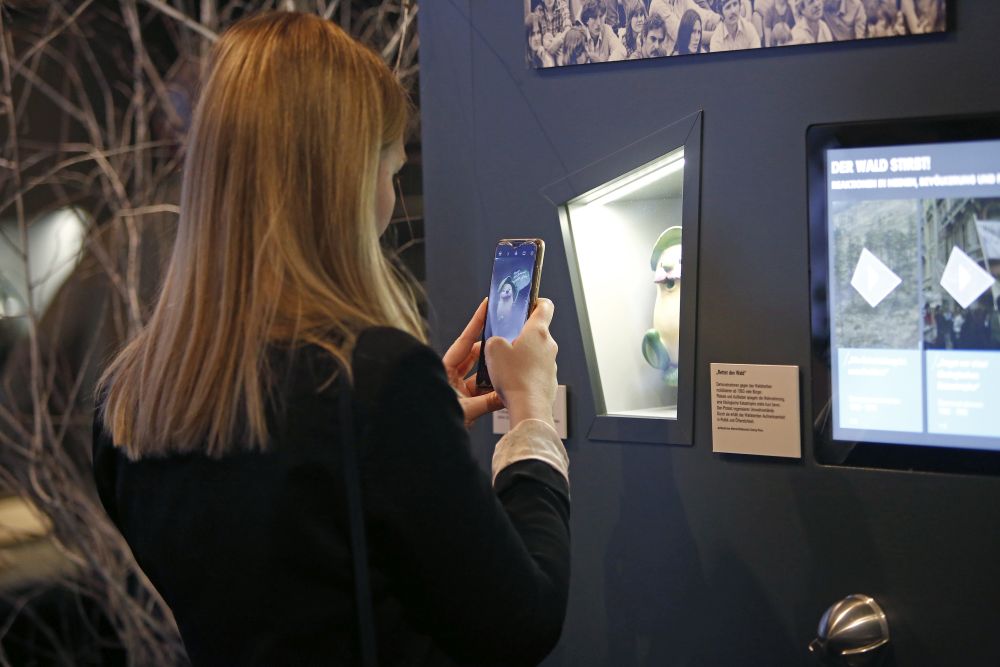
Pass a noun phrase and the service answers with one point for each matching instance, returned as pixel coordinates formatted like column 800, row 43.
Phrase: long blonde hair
column 277, row 241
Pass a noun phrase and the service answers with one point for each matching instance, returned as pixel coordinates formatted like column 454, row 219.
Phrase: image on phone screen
column 510, row 290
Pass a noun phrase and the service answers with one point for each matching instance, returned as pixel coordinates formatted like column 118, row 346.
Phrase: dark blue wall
column 683, row 557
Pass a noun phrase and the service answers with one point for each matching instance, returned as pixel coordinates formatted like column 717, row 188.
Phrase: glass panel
column 627, row 240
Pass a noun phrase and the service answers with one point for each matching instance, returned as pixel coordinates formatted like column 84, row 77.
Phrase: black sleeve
column 484, row 572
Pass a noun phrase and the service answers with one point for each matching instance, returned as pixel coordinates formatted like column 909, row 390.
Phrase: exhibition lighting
column 54, row 246
column 656, row 173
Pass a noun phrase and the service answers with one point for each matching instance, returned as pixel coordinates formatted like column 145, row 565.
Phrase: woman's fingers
column 474, row 407
column 472, row 389
column 458, row 353
column 541, row 316
column 470, row 361
column 458, row 373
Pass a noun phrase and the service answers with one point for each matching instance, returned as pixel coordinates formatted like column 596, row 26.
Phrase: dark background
column 682, row 556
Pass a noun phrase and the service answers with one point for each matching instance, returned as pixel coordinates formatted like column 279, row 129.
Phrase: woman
column 636, row 15
column 536, row 55
column 573, row 50
column 223, row 426
column 688, row 34
column 673, row 10
column 885, row 20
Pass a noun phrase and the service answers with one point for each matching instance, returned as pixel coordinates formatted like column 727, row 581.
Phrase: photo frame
column 578, row 32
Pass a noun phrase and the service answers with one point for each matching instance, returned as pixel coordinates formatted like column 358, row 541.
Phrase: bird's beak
column 662, row 275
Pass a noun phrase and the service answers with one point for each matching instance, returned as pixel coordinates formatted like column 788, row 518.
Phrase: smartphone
column 517, row 270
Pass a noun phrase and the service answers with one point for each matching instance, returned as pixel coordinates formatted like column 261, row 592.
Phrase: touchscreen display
column 914, row 257
column 510, row 290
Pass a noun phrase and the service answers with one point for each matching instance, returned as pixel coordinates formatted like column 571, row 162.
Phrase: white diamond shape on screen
column 964, row 279
column 872, row 279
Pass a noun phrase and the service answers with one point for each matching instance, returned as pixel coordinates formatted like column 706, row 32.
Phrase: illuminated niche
column 626, row 238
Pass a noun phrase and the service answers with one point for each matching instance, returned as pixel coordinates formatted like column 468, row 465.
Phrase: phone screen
column 511, row 293
column 510, row 290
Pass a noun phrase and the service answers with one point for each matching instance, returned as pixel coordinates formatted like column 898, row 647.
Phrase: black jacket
column 251, row 551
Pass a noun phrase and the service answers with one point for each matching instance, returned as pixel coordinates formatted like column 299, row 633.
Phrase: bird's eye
column 670, row 283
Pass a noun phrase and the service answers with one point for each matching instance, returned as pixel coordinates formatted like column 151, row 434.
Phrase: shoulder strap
column 359, row 548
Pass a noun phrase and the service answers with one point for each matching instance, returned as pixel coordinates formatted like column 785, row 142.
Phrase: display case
column 630, row 229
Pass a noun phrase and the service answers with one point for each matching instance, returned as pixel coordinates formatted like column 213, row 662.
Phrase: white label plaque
column 755, row 410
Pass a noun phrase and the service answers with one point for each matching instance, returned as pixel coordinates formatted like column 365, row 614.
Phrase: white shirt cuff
column 531, row 439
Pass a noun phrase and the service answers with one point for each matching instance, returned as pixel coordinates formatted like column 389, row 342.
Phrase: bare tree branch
column 183, row 18
column 42, row 43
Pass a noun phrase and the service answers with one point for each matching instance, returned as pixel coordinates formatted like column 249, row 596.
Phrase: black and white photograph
column 875, row 243
column 578, row 32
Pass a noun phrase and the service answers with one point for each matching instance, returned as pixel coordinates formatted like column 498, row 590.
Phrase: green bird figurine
column 660, row 345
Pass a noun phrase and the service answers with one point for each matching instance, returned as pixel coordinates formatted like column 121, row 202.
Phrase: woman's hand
column 460, row 358
column 524, row 373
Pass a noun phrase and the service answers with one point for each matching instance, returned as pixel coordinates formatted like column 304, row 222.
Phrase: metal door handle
column 853, row 632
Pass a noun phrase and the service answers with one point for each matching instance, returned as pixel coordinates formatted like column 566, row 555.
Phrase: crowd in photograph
column 953, row 328
column 573, row 32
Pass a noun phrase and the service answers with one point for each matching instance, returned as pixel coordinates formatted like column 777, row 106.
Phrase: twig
column 99, row 77
column 50, row 92
column 330, row 9
column 40, row 44
column 149, row 210
column 407, row 17
column 93, row 155
column 139, row 163
column 182, row 18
